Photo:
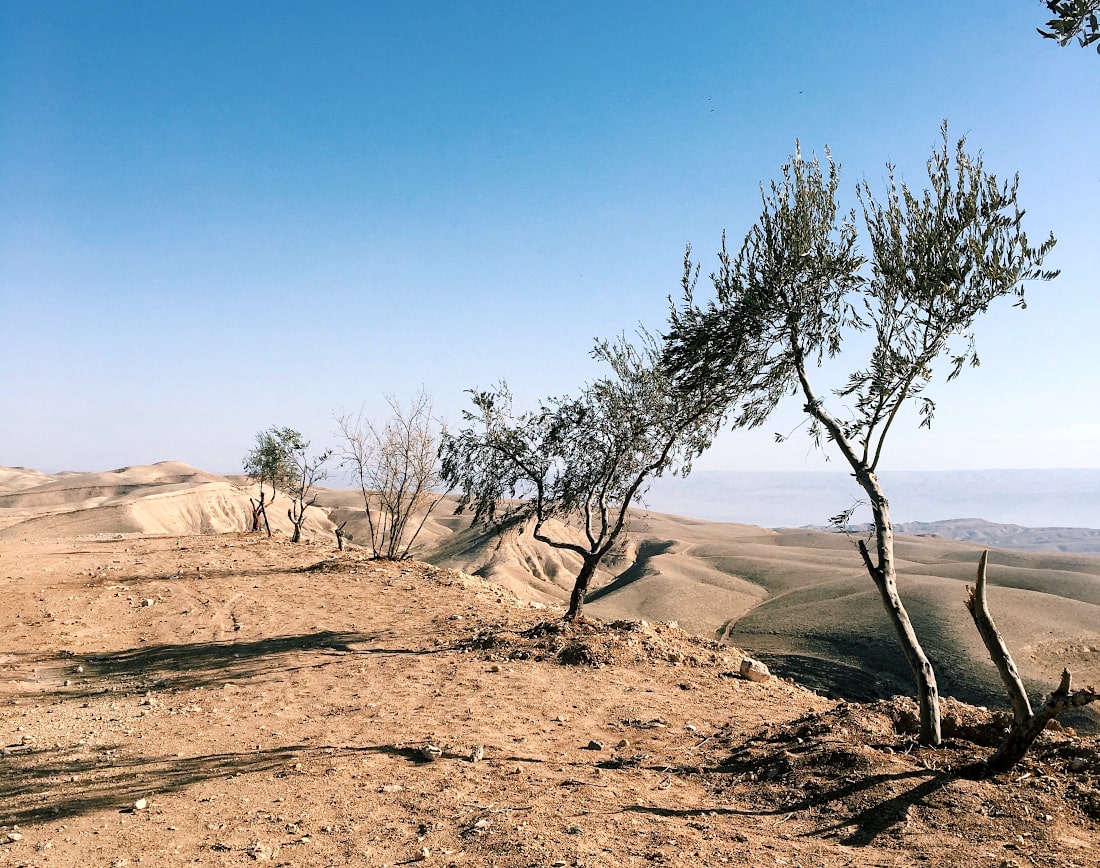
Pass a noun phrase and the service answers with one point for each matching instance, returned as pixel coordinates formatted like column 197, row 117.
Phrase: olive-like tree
column 581, row 460
column 268, row 464
column 1073, row 20
column 937, row 259
column 280, row 460
column 306, row 471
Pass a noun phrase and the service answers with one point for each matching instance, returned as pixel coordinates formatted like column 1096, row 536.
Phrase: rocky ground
column 231, row 699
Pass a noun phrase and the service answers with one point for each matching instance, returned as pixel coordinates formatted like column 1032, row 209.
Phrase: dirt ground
column 231, row 699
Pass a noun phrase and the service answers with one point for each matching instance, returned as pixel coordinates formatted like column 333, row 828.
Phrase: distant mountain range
column 1033, row 510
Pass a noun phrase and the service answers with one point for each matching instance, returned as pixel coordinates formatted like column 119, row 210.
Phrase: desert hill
column 798, row 597
column 1009, row 536
column 164, row 498
column 801, row 600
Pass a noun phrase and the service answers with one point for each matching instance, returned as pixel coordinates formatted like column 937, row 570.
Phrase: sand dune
column 799, row 598
column 164, row 498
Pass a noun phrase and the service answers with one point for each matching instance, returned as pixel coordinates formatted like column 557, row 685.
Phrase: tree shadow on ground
column 866, row 825
column 44, row 785
column 36, row 787
column 861, row 802
column 183, row 666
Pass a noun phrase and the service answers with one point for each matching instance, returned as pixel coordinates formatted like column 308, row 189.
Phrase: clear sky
column 215, row 217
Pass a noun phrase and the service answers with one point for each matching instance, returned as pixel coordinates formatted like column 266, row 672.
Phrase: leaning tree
column 937, row 259
column 582, row 460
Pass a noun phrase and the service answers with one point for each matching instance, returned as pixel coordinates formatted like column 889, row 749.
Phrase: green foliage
column 270, row 462
column 1074, row 20
column 280, row 459
column 578, row 456
column 938, row 258
column 581, row 460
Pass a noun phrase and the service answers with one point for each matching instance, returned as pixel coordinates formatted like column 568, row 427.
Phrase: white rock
column 141, row 805
column 754, row 670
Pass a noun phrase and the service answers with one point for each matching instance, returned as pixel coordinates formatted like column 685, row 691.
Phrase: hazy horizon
column 1035, row 497
column 1068, row 497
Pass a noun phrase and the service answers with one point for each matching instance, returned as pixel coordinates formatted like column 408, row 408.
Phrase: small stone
column 754, row 670
column 477, row 754
column 424, row 853
column 495, row 667
column 147, row 602
column 1078, row 764
column 430, row 753
column 12, row 837
column 623, row 742
column 141, row 805
column 392, row 788
column 595, row 745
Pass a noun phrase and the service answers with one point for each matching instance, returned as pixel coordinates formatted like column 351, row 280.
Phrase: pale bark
column 884, row 573
column 1026, row 724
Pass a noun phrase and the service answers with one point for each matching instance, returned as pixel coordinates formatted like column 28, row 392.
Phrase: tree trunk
column 885, row 578
column 1026, row 724
column 1022, row 734
column 259, row 510
column 580, row 588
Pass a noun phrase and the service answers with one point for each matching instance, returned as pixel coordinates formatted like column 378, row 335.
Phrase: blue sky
column 218, row 217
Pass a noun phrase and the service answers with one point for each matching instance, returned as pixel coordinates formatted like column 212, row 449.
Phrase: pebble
column 141, row 805
column 595, row 745
column 477, row 754
column 13, row 837
column 623, row 742
column 1078, row 764
column 495, row 667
